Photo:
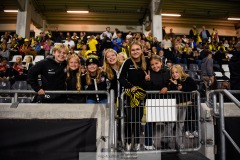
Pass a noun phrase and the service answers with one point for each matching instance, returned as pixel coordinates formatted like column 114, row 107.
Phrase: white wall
column 226, row 31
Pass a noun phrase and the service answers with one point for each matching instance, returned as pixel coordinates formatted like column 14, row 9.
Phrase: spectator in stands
column 26, row 49
column 177, row 54
column 4, row 51
column 215, row 37
column 52, row 71
column 156, row 79
column 197, row 58
column 132, row 76
column 207, row 70
column 28, row 64
column 234, row 65
column 166, row 45
column 75, row 38
column 95, row 79
column 5, row 70
column 162, row 57
column 107, row 32
column 180, row 81
column 193, row 33
column 60, row 38
column 70, row 43
column 92, row 43
column 129, row 35
column 115, row 33
column 171, row 34
column 205, row 35
column 163, row 31
column 117, row 42
column 73, row 80
column 18, row 70
column 14, row 48
column 111, row 66
column 122, row 57
column 47, row 47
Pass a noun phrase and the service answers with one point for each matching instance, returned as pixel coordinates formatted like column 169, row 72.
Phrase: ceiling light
column 77, row 11
column 170, row 15
column 234, row 19
column 10, row 10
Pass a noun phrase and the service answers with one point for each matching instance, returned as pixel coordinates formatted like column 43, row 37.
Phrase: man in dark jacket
column 52, row 71
column 234, row 65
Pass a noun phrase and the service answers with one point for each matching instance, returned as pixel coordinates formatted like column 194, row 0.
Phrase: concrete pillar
column 24, row 20
column 156, row 20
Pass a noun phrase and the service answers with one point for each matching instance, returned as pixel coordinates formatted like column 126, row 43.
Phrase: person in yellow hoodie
column 92, row 43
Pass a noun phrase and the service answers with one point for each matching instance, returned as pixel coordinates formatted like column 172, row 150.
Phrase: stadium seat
column 227, row 74
column 184, row 66
column 20, row 85
column 24, row 59
column 194, row 75
column 15, row 57
column 5, row 85
column 38, row 58
column 193, row 67
column 225, row 67
column 5, row 100
column 24, row 100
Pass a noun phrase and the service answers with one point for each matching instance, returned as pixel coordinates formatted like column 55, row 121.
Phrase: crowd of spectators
column 185, row 49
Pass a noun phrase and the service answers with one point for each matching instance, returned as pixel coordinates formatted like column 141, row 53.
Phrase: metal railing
column 160, row 120
column 219, row 111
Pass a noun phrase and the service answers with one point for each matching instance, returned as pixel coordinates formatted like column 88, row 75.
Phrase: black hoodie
column 52, row 75
column 234, row 65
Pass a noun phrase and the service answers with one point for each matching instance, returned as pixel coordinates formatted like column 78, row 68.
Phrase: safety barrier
column 160, row 122
column 103, row 112
column 219, row 111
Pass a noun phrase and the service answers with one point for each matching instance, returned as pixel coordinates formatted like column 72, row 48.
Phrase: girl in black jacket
column 180, row 81
column 132, row 75
column 73, row 79
column 94, row 79
column 156, row 79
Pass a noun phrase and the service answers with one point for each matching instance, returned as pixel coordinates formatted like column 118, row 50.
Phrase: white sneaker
column 149, row 147
column 195, row 134
column 128, row 147
column 189, row 134
column 137, row 147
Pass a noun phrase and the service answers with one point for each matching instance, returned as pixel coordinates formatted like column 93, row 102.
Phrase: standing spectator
column 171, row 34
column 205, row 35
column 52, row 71
column 207, row 70
column 95, row 79
column 132, row 76
column 193, row 33
column 166, row 45
column 117, row 42
column 180, row 81
column 107, row 32
column 234, row 65
column 156, row 79
column 73, row 80
column 163, row 31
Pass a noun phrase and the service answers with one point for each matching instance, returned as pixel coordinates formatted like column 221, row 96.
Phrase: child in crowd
column 73, row 79
column 122, row 56
column 18, row 70
column 5, row 70
column 180, row 81
column 156, row 79
column 111, row 66
column 94, row 80
column 132, row 76
column 52, row 71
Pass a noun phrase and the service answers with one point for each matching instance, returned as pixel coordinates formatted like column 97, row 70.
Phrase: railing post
column 222, row 127
column 112, row 138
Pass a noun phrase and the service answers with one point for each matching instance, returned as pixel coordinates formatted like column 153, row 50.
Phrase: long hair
column 98, row 77
column 106, row 66
column 180, row 70
column 142, row 57
column 78, row 75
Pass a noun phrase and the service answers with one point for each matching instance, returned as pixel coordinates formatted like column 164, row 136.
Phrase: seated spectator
column 18, row 70
column 5, row 70
column 70, row 43
column 28, row 64
column 26, row 49
column 14, row 48
column 4, row 52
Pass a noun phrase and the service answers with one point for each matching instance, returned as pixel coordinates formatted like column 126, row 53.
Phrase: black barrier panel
column 46, row 139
